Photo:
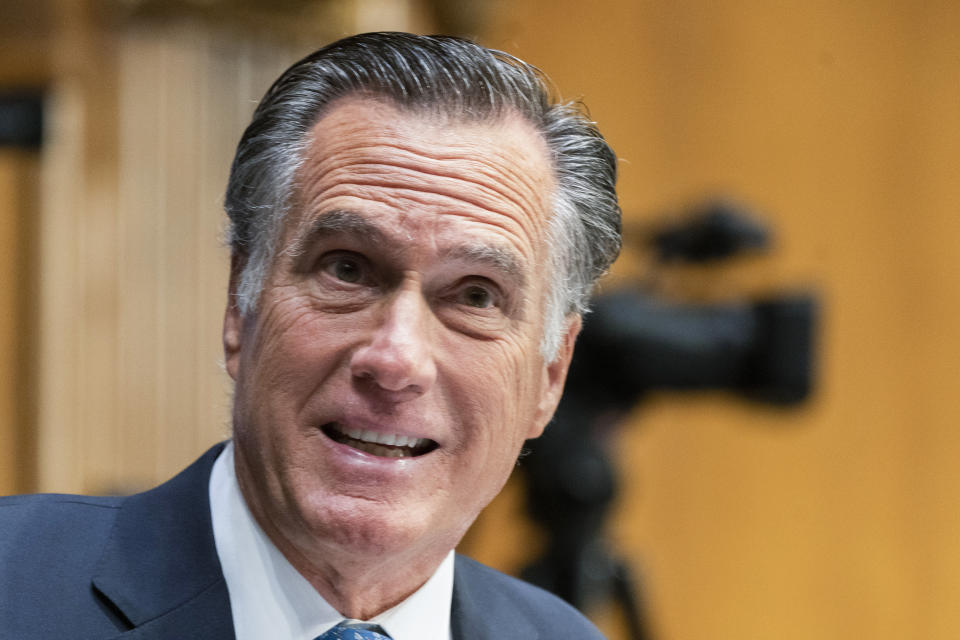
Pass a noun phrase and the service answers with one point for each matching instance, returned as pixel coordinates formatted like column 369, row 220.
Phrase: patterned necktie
column 355, row 631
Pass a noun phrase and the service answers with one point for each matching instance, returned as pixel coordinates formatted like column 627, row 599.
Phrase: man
column 415, row 230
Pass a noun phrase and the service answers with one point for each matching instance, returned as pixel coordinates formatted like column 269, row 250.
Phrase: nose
column 398, row 356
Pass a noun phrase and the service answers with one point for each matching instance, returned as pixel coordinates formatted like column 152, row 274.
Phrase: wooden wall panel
column 18, row 204
column 134, row 271
column 9, row 217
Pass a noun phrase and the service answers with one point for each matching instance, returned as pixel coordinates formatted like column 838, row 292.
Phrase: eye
column 477, row 296
column 346, row 268
column 477, row 306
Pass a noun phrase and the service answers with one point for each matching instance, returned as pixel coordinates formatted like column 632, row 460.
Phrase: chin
column 357, row 526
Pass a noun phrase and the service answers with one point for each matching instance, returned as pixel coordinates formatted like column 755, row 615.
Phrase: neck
column 359, row 587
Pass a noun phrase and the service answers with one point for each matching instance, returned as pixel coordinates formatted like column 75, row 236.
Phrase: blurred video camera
column 638, row 340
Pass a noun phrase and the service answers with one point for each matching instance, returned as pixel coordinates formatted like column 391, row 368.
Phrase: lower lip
column 369, row 461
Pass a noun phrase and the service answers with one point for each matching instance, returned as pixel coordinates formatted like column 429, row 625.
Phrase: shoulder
column 80, row 566
column 53, row 501
column 49, row 549
column 24, row 518
column 500, row 597
column 53, row 524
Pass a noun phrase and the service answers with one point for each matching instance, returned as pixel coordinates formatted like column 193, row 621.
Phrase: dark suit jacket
column 145, row 566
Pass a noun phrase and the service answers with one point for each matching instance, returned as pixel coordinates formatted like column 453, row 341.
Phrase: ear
column 555, row 376
column 233, row 319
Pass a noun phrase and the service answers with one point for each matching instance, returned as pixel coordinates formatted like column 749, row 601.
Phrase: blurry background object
column 834, row 520
column 21, row 118
column 632, row 343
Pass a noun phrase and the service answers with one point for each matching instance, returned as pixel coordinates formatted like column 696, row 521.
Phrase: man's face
column 391, row 372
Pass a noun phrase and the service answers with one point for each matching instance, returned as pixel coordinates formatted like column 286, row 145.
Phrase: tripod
column 571, row 485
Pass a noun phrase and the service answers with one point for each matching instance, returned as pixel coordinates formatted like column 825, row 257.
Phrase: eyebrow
column 499, row 258
column 333, row 222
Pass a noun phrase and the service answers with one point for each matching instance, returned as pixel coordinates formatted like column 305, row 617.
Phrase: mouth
column 385, row 445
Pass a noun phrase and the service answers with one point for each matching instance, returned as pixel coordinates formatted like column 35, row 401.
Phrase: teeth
column 388, row 439
column 382, row 451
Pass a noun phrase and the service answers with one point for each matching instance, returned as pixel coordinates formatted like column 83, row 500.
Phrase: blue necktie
column 355, row 631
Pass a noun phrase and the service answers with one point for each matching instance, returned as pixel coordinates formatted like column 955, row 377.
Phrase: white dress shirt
column 270, row 599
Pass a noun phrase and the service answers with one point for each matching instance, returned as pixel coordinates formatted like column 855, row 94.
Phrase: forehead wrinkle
column 434, row 139
column 496, row 184
column 510, row 193
column 494, row 172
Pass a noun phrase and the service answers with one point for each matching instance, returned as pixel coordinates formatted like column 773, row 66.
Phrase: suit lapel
column 206, row 616
column 481, row 611
column 160, row 568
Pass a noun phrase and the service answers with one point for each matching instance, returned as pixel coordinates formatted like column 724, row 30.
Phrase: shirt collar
column 269, row 597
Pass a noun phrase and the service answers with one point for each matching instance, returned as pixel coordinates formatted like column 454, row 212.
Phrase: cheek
column 518, row 365
column 291, row 331
column 291, row 353
column 498, row 390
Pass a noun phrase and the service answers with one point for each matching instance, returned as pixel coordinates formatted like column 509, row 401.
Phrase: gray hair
column 442, row 75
